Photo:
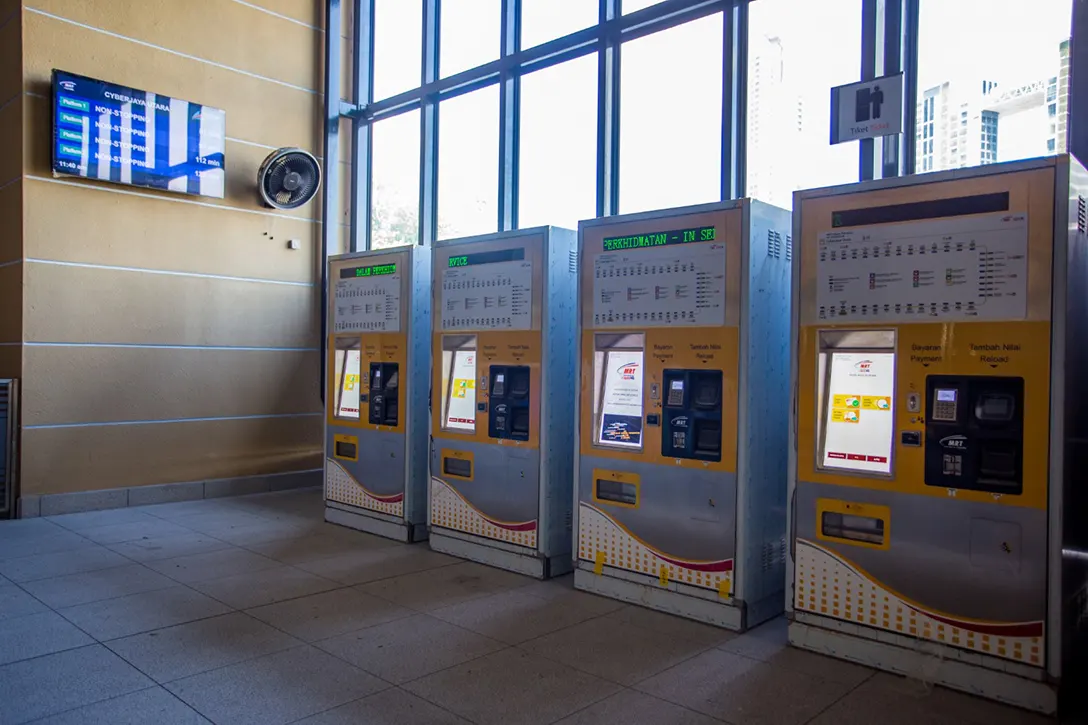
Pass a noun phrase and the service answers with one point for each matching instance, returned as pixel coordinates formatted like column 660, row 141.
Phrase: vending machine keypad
column 974, row 437
column 508, row 414
column 692, row 415
column 384, row 400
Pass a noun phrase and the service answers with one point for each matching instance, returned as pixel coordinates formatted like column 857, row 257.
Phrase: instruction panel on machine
column 490, row 296
column 961, row 268
column 368, row 299
column 668, row 285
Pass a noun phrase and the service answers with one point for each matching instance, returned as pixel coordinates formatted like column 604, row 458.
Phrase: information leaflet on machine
column 670, row 285
column 368, row 304
column 970, row 268
column 497, row 296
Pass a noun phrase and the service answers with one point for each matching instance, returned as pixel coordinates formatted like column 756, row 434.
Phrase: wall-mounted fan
column 288, row 178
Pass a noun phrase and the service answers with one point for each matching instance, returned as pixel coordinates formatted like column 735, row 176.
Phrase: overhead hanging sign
column 127, row 136
column 868, row 109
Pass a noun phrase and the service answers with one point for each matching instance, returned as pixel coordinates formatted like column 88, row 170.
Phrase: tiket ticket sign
column 868, row 109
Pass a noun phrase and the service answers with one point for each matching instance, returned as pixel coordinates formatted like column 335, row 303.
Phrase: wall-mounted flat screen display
column 114, row 133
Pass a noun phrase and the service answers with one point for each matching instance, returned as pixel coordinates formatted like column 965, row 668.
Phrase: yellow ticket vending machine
column 378, row 366
column 503, row 399
column 683, row 409
column 938, row 321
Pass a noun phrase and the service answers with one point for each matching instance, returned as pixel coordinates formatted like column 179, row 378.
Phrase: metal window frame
column 889, row 44
column 604, row 39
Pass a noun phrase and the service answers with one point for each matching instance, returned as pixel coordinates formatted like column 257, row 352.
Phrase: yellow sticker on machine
column 663, row 575
column 845, row 416
column 876, row 402
column 598, row 563
column 846, row 402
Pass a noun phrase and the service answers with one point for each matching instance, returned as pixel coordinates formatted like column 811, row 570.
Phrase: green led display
column 376, row 270
column 659, row 239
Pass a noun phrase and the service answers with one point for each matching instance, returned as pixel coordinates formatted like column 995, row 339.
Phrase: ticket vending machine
column 503, row 399
column 683, row 409
column 378, row 367
column 940, row 321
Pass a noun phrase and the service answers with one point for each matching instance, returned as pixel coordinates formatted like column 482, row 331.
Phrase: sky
column 670, row 111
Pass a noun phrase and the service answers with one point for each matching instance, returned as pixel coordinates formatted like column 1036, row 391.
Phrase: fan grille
column 291, row 179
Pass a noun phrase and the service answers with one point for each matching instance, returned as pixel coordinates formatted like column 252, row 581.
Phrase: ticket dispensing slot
column 346, row 447
column 855, row 419
column 384, row 399
column 617, row 390
column 975, row 433
column 853, row 523
column 693, row 415
column 508, row 415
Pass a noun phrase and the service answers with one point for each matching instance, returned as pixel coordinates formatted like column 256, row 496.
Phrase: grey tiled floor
column 253, row 610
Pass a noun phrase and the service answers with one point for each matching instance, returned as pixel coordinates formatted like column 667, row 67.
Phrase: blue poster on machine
column 127, row 136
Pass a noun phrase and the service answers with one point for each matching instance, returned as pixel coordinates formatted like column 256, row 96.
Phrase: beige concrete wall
column 169, row 338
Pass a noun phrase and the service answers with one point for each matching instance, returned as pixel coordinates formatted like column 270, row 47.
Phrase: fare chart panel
column 967, row 268
column 488, row 291
column 368, row 299
column 660, row 279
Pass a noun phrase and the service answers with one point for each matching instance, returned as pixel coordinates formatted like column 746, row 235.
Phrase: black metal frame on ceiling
column 889, row 44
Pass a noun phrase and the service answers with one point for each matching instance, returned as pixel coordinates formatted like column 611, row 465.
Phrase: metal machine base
column 374, row 523
column 720, row 613
column 498, row 554
column 927, row 661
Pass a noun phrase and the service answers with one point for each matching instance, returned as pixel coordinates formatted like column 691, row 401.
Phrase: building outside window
column 1007, row 99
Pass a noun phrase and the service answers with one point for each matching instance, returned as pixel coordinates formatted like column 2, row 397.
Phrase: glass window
column 398, row 40
column 544, row 20
column 394, row 208
column 789, row 96
column 630, row 6
column 1050, row 144
column 559, row 144
column 671, row 117
column 963, row 60
column 471, row 34
column 468, row 164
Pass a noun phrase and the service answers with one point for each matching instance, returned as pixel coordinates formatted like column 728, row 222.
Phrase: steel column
column 428, row 137
column 330, row 197
column 871, row 60
column 608, row 110
column 1077, row 128
column 734, row 101
column 509, row 117
column 362, row 95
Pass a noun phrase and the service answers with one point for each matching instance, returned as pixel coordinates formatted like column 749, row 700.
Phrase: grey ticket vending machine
column 378, row 361
column 503, row 399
